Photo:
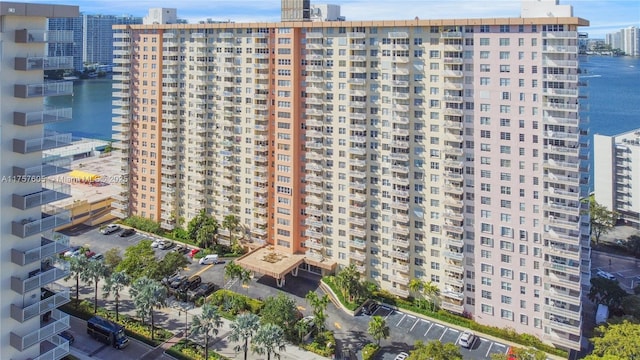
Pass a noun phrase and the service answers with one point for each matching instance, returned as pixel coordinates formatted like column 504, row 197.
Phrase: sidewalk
column 174, row 321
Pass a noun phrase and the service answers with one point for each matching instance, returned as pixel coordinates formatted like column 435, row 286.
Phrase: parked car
column 403, row 355
column 180, row 249
column 370, row 307
column 169, row 279
column 193, row 252
column 166, row 245
column 156, row 243
column 89, row 254
column 202, row 290
column 67, row 335
column 74, row 251
column 178, row 281
column 606, row 275
column 98, row 257
column 110, row 229
column 128, row 232
column 467, row 339
column 191, row 283
column 209, row 259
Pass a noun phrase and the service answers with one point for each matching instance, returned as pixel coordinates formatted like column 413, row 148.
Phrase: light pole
column 184, row 306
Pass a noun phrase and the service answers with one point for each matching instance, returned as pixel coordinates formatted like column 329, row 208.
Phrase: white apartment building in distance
column 627, row 40
column 617, row 163
column 29, row 295
column 447, row 150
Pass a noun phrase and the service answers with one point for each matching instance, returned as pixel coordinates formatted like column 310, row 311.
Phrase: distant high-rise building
column 627, row 40
column 451, row 151
column 92, row 38
column 326, row 12
column 617, row 163
column 30, row 268
column 295, row 10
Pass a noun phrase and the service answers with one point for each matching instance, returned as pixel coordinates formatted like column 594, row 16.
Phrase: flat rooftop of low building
column 267, row 261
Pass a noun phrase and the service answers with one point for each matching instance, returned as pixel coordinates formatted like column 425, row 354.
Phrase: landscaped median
column 186, row 349
column 441, row 315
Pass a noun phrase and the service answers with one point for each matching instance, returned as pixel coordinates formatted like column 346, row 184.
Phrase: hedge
column 133, row 327
column 219, row 297
column 320, row 342
column 447, row 317
column 369, row 351
column 186, row 349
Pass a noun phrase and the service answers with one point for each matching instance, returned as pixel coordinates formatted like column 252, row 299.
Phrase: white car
column 401, row 356
column 466, row 339
column 606, row 275
column 156, row 243
column 209, row 259
column 110, row 229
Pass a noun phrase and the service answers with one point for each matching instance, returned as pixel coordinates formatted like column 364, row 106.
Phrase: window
column 504, row 41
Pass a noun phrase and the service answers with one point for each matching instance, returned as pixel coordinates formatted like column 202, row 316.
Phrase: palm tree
column 242, row 328
column 77, row 264
column 416, row 286
column 319, row 305
column 269, row 339
column 233, row 271
column 378, row 329
column 302, row 328
column 208, row 322
column 147, row 294
column 114, row 284
column 231, row 222
column 431, row 290
column 92, row 273
column 206, row 234
column 348, row 280
column 245, row 278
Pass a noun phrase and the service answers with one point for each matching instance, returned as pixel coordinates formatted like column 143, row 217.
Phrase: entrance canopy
column 83, row 176
column 267, row 261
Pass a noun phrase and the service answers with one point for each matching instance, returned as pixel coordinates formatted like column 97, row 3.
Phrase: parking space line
column 489, row 350
column 425, row 334
column 398, row 324
column 444, row 332
column 203, row 270
column 392, row 311
column 414, row 325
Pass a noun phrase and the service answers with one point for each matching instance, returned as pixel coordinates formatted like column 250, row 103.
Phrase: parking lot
column 625, row 269
column 410, row 329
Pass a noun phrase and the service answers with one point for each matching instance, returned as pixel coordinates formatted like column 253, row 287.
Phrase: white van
column 209, row 259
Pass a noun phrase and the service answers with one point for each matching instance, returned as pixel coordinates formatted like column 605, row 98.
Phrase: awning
column 83, row 175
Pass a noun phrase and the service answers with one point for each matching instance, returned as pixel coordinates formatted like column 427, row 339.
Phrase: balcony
column 38, row 278
column 29, row 36
column 43, row 63
column 453, row 294
column 314, row 255
column 49, row 193
column 54, row 348
column 564, row 325
column 400, row 255
column 400, row 242
column 51, row 88
column 59, row 166
column 563, row 339
column 28, row 227
column 59, row 322
column 316, row 245
column 454, row 255
column 48, row 247
column 360, row 256
column 449, row 306
column 26, row 146
column 399, row 266
column 404, row 293
column 49, row 300
column 361, row 245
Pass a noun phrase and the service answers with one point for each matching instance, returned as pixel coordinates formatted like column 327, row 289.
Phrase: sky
column 605, row 16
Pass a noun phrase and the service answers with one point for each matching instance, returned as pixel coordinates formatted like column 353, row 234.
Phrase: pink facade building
column 452, row 151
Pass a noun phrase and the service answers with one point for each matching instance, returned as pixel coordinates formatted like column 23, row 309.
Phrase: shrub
column 324, row 344
column 143, row 224
column 369, row 351
column 188, row 350
column 329, row 281
column 234, row 303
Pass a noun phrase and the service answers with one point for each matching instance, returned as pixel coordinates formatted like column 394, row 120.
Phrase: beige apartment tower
column 447, row 150
column 30, row 266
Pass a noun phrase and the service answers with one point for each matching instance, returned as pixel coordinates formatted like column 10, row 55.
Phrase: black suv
column 190, row 284
column 201, row 291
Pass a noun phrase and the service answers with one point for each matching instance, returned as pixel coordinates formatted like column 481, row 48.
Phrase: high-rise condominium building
column 92, row 37
column 446, row 150
column 617, row 163
column 627, row 40
column 29, row 296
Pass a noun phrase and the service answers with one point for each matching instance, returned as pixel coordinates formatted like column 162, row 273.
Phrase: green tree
column 607, row 292
column 633, row 244
column 602, row 219
column 114, row 284
column 434, row 350
column 202, row 229
column 206, row 235
column 112, row 258
column 205, row 324
column 171, row 263
column 616, row 341
column 432, row 291
column 77, row 264
column 233, row 271
column 93, row 272
column 301, row 329
column 231, row 223
column 319, row 305
column 348, row 281
column 148, row 294
column 378, row 329
column 280, row 310
column 138, row 259
column 242, row 329
column 631, row 306
column 269, row 339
